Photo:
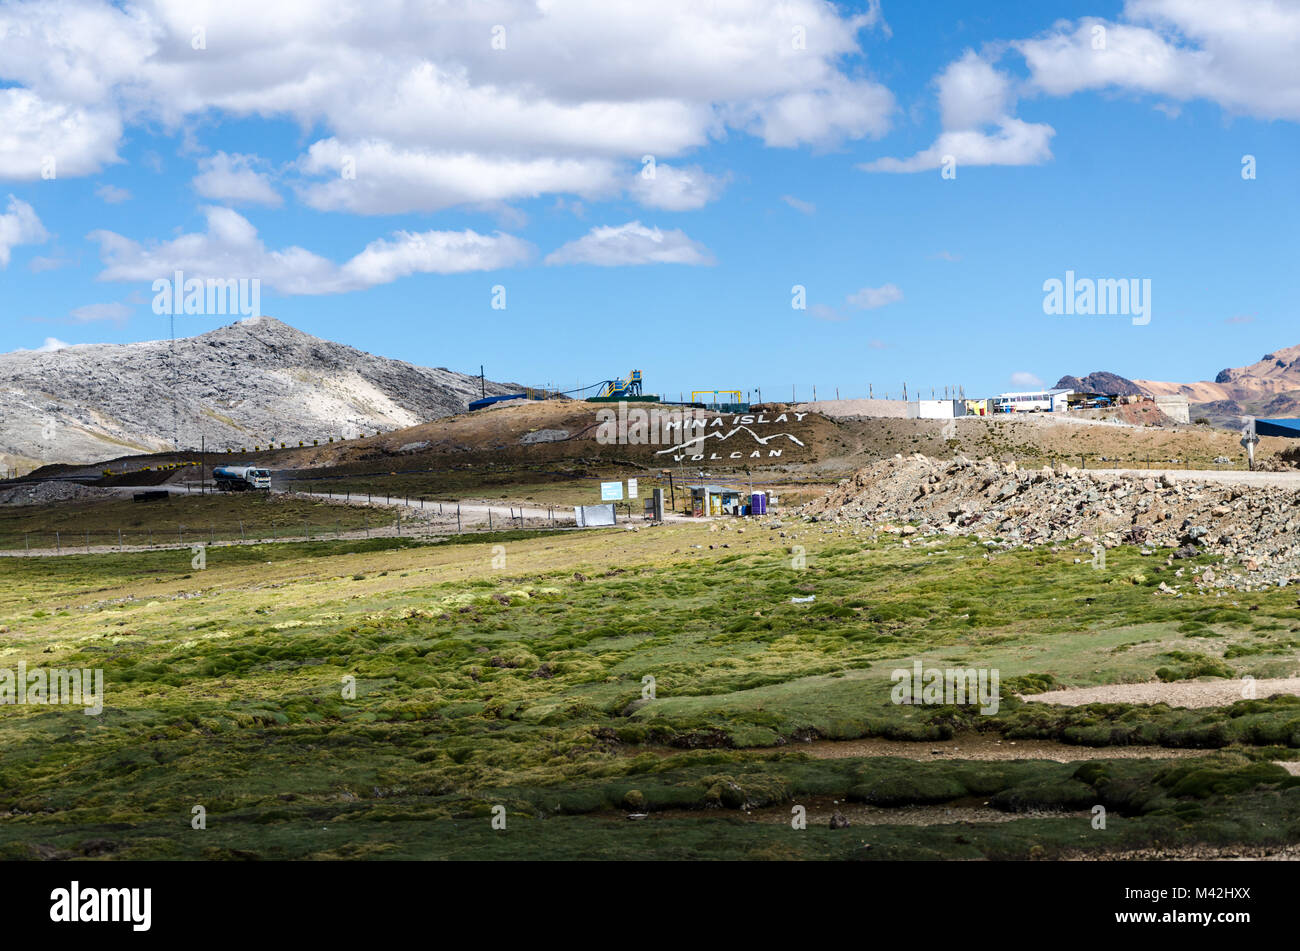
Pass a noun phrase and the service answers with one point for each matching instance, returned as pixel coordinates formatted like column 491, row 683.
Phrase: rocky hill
column 1101, row 381
column 1270, row 387
column 1267, row 388
column 252, row 382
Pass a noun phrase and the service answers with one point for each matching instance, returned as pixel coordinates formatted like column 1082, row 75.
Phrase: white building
column 936, row 409
column 1175, row 407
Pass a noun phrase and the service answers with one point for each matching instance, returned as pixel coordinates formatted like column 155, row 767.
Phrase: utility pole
column 482, row 382
column 176, row 441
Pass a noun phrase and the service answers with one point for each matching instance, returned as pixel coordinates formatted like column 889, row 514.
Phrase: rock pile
column 1252, row 528
column 41, row 493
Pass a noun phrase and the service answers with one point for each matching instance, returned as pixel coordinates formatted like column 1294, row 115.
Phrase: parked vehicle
column 241, row 478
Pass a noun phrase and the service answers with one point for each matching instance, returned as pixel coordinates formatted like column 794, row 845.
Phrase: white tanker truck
column 241, row 478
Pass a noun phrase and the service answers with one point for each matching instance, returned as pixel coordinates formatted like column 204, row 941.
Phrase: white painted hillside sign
column 691, row 435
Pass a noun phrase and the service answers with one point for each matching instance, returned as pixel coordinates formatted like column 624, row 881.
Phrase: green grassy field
column 223, row 516
column 510, row 671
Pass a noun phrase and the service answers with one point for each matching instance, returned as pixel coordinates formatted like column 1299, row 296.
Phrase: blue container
column 758, row 503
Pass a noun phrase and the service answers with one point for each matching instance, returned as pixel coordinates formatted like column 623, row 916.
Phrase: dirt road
column 1185, row 693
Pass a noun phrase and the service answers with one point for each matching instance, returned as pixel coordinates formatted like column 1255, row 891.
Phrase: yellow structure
column 715, row 394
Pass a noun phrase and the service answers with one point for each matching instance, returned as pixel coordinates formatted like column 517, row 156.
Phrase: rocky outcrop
column 253, row 382
column 1102, row 381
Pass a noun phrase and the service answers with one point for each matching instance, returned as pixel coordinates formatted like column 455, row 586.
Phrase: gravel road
column 1187, row 693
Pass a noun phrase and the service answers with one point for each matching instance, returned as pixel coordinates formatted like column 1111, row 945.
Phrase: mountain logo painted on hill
column 698, row 442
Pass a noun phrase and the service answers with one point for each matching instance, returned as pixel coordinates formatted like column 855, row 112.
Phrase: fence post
column 399, row 523
column 119, row 539
column 306, row 529
column 458, row 529
column 365, row 521
column 241, row 531
column 27, row 542
column 151, row 538
column 489, row 518
column 58, row 543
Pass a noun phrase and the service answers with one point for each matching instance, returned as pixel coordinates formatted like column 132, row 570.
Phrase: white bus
column 1031, row 401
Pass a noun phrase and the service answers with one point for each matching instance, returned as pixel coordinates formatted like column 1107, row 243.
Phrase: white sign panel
column 631, row 488
column 590, row 516
column 611, row 491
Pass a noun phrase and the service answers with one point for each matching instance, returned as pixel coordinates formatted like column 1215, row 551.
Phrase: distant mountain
column 1269, row 387
column 252, row 382
column 1101, row 381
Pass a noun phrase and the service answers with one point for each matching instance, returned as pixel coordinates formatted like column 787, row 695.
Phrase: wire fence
column 440, row 519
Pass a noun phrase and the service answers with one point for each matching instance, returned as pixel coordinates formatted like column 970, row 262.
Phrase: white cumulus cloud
column 235, row 178
column 418, row 93
column 972, row 93
column 375, row 177
column 676, row 189
column 869, row 298
column 41, row 138
column 1026, row 379
column 631, row 243
column 1243, row 55
column 1014, row 143
column 19, row 225
column 112, row 194
column 231, row 249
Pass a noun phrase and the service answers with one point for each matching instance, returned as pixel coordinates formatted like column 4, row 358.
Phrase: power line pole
column 176, row 441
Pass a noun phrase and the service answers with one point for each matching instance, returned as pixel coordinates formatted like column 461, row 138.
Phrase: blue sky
column 775, row 165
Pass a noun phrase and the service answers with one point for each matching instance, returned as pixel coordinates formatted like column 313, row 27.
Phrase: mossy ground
column 179, row 519
column 509, row 670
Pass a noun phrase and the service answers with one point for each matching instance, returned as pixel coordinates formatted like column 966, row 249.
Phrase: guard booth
column 715, row 500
